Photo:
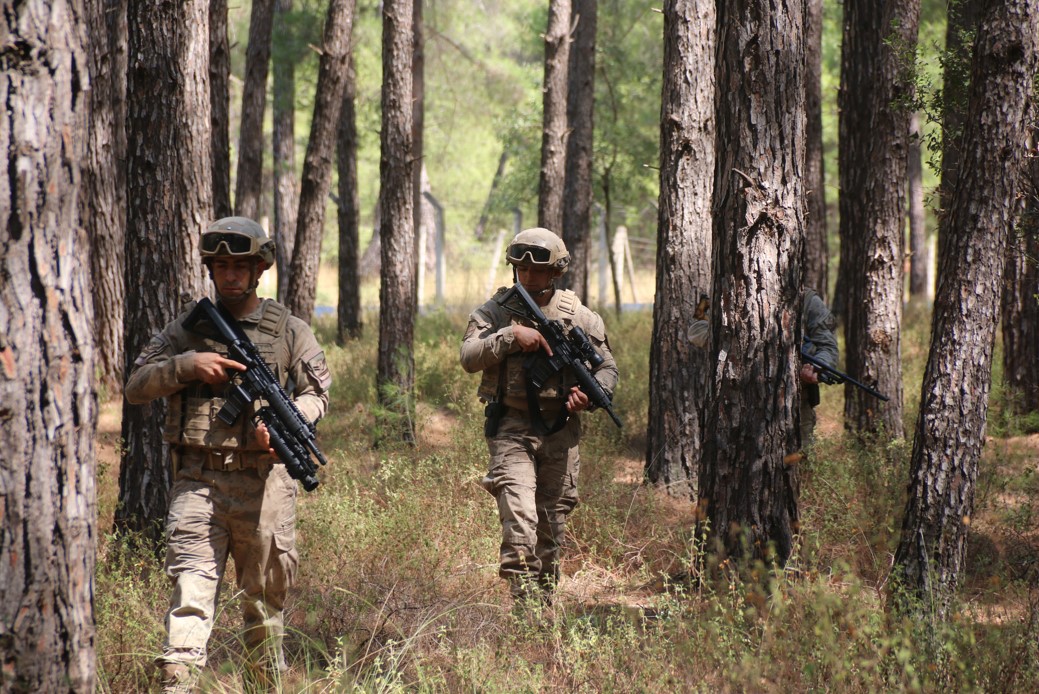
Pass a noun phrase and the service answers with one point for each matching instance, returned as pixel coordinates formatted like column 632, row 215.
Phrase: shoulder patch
column 317, row 369
column 274, row 318
column 155, row 347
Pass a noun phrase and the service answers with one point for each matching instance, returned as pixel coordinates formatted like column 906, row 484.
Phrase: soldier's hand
column 263, row 437
column 530, row 340
column 212, row 368
column 809, row 374
column 577, row 400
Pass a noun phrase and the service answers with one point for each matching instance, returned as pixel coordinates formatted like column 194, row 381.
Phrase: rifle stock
column 293, row 436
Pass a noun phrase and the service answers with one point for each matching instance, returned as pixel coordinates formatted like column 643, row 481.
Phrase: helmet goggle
column 230, row 243
column 518, row 252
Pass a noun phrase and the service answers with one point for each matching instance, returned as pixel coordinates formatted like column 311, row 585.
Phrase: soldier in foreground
column 532, row 434
column 230, row 494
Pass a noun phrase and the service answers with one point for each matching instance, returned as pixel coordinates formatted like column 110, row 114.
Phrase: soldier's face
column 234, row 277
column 535, row 279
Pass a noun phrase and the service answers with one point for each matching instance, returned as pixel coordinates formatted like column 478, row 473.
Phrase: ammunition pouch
column 493, row 412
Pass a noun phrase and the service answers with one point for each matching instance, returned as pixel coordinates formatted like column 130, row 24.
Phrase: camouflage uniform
column 532, row 476
column 229, row 496
column 818, row 324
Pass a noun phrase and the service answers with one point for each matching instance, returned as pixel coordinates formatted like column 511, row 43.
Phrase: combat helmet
column 538, row 247
column 239, row 237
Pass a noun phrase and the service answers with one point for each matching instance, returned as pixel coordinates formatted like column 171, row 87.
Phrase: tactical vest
column 563, row 307
column 192, row 417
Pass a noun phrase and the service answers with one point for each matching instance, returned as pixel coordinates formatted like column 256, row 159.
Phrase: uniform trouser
column 534, row 479
column 251, row 518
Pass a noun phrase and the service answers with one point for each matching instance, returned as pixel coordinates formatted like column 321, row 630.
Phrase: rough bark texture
column 552, row 180
column 677, row 370
column 918, row 256
column 395, row 377
column 876, row 83
column 317, row 164
column 817, row 247
column 349, row 325
column 960, row 29
column 168, row 205
column 418, row 120
column 1021, row 296
column 577, row 212
column 950, row 430
column 103, row 199
column 249, row 176
column 220, row 106
column 286, row 186
column 48, row 410
column 748, row 493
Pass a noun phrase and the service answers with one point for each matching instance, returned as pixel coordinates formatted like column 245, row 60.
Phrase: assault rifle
column 292, row 434
column 571, row 349
column 831, row 376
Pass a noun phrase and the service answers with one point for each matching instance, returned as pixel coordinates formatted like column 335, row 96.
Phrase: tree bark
column 817, row 250
column 286, row 187
column 48, row 408
column 677, row 370
column 349, row 319
column 418, row 119
column 168, row 204
column 249, row 177
column 317, row 164
column 220, row 105
column 103, row 199
column 876, row 85
column 748, row 493
column 918, row 256
column 577, row 212
column 950, row 430
column 552, row 180
column 395, row 377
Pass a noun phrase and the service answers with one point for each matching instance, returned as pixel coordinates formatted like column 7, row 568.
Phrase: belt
column 221, row 460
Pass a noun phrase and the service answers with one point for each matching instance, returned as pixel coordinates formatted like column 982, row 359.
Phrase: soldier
column 818, row 324
column 533, row 469
column 230, row 494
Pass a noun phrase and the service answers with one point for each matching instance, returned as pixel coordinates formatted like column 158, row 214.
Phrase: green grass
column 398, row 586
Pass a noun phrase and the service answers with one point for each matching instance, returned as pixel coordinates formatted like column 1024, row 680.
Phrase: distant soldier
column 818, row 324
column 534, row 462
column 230, row 494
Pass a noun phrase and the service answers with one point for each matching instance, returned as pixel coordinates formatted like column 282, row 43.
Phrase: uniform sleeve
column 485, row 343
column 159, row 371
column 698, row 333
column 310, row 374
column 820, row 340
column 606, row 373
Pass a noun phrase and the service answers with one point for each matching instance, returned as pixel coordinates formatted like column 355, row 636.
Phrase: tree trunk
column 552, row 179
column 102, row 201
column 220, row 104
column 418, row 119
column 918, row 256
column 286, row 188
column 317, row 165
column 748, row 492
column 485, row 215
column 395, row 377
column 950, row 430
column 48, row 408
column 876, row 83
column 349, row 324
column 168, row 204
column 577, row 216
column 817, row 251
column 960, row 26
column 677, row 370
column 249, row 177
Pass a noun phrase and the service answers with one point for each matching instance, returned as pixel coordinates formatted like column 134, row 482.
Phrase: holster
column 811, row 394
column 493, row 412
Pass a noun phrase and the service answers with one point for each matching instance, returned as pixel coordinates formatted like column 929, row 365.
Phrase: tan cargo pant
column 250, row 516
column 534, row 479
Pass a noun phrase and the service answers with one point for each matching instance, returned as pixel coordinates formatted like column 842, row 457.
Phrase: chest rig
column 192, row 417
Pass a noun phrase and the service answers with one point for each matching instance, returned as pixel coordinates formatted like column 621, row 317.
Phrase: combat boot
column 177, row 678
